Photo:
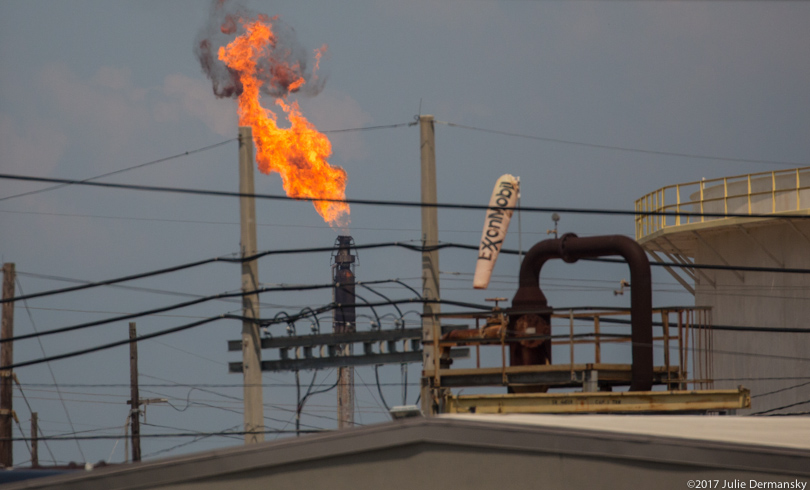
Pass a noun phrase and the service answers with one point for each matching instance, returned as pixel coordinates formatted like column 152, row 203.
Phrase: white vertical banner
column 502, row 205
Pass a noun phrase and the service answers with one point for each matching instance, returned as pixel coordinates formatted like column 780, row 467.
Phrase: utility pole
column 34, row 440
column 430, row 259
column 251, row 343
column 134, row 397
column 7, row 359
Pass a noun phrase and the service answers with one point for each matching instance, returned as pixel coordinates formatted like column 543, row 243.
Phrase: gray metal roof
column 786, row 432
column 708, row 443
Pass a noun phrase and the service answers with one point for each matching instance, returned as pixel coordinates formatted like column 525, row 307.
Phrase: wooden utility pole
column 134, row 397
column 7, row 359
column 251, row 343
column 430, row 259
column 34, row 440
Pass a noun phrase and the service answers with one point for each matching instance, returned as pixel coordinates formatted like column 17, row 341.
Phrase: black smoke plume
column 287, row 59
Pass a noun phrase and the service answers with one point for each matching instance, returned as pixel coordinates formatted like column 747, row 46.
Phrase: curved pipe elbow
column 571, row 248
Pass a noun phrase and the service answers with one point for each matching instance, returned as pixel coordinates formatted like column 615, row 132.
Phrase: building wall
column 482, row 452
column 434, row 466
column 771, row 300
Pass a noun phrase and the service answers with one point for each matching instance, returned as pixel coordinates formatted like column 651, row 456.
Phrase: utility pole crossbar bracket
column 6, row 411
column 340, row 361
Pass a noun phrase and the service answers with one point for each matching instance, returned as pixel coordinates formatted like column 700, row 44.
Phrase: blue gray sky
column 89, row 87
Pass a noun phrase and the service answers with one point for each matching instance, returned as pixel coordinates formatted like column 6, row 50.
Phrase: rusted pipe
column 571, row 248
column 344, row 317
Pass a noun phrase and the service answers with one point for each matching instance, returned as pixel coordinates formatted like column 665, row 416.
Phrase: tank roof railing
column 778, row 191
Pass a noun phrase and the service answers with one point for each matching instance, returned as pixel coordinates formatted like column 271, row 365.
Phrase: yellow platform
column 600, row 402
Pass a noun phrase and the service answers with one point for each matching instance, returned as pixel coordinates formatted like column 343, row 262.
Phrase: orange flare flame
column 298, row 153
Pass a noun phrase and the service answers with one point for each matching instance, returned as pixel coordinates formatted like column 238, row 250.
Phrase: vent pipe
column 571, row 248
column 344, row 322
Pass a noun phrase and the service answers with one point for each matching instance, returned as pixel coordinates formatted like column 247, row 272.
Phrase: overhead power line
column 127, row 169
column 731, row 328
column 109, row 282
column 176, row 306
column 123, row 342
column 198, row 263
column 30, row 411
column 239, row 400
column 173, row 448
column 377, row 202
column 278, row 384
column 239, row 386
column 618, row 148
column 716, row 267
column 162, row 435
column 237, row 294
column 409, row 246
column 782, row 390
column 50, row 369
column 371, row 128
column 129, row 288
column 308, row 312
column 770, row 411
column 198, row 150
column 787, row 414
column 743, row 268
column 236, row 223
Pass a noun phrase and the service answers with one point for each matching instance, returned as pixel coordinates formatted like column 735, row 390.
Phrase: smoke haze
column 287, row 60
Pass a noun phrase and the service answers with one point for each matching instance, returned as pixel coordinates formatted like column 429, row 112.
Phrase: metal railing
column 773, row 192
column 682, row 343
column 684, row 332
